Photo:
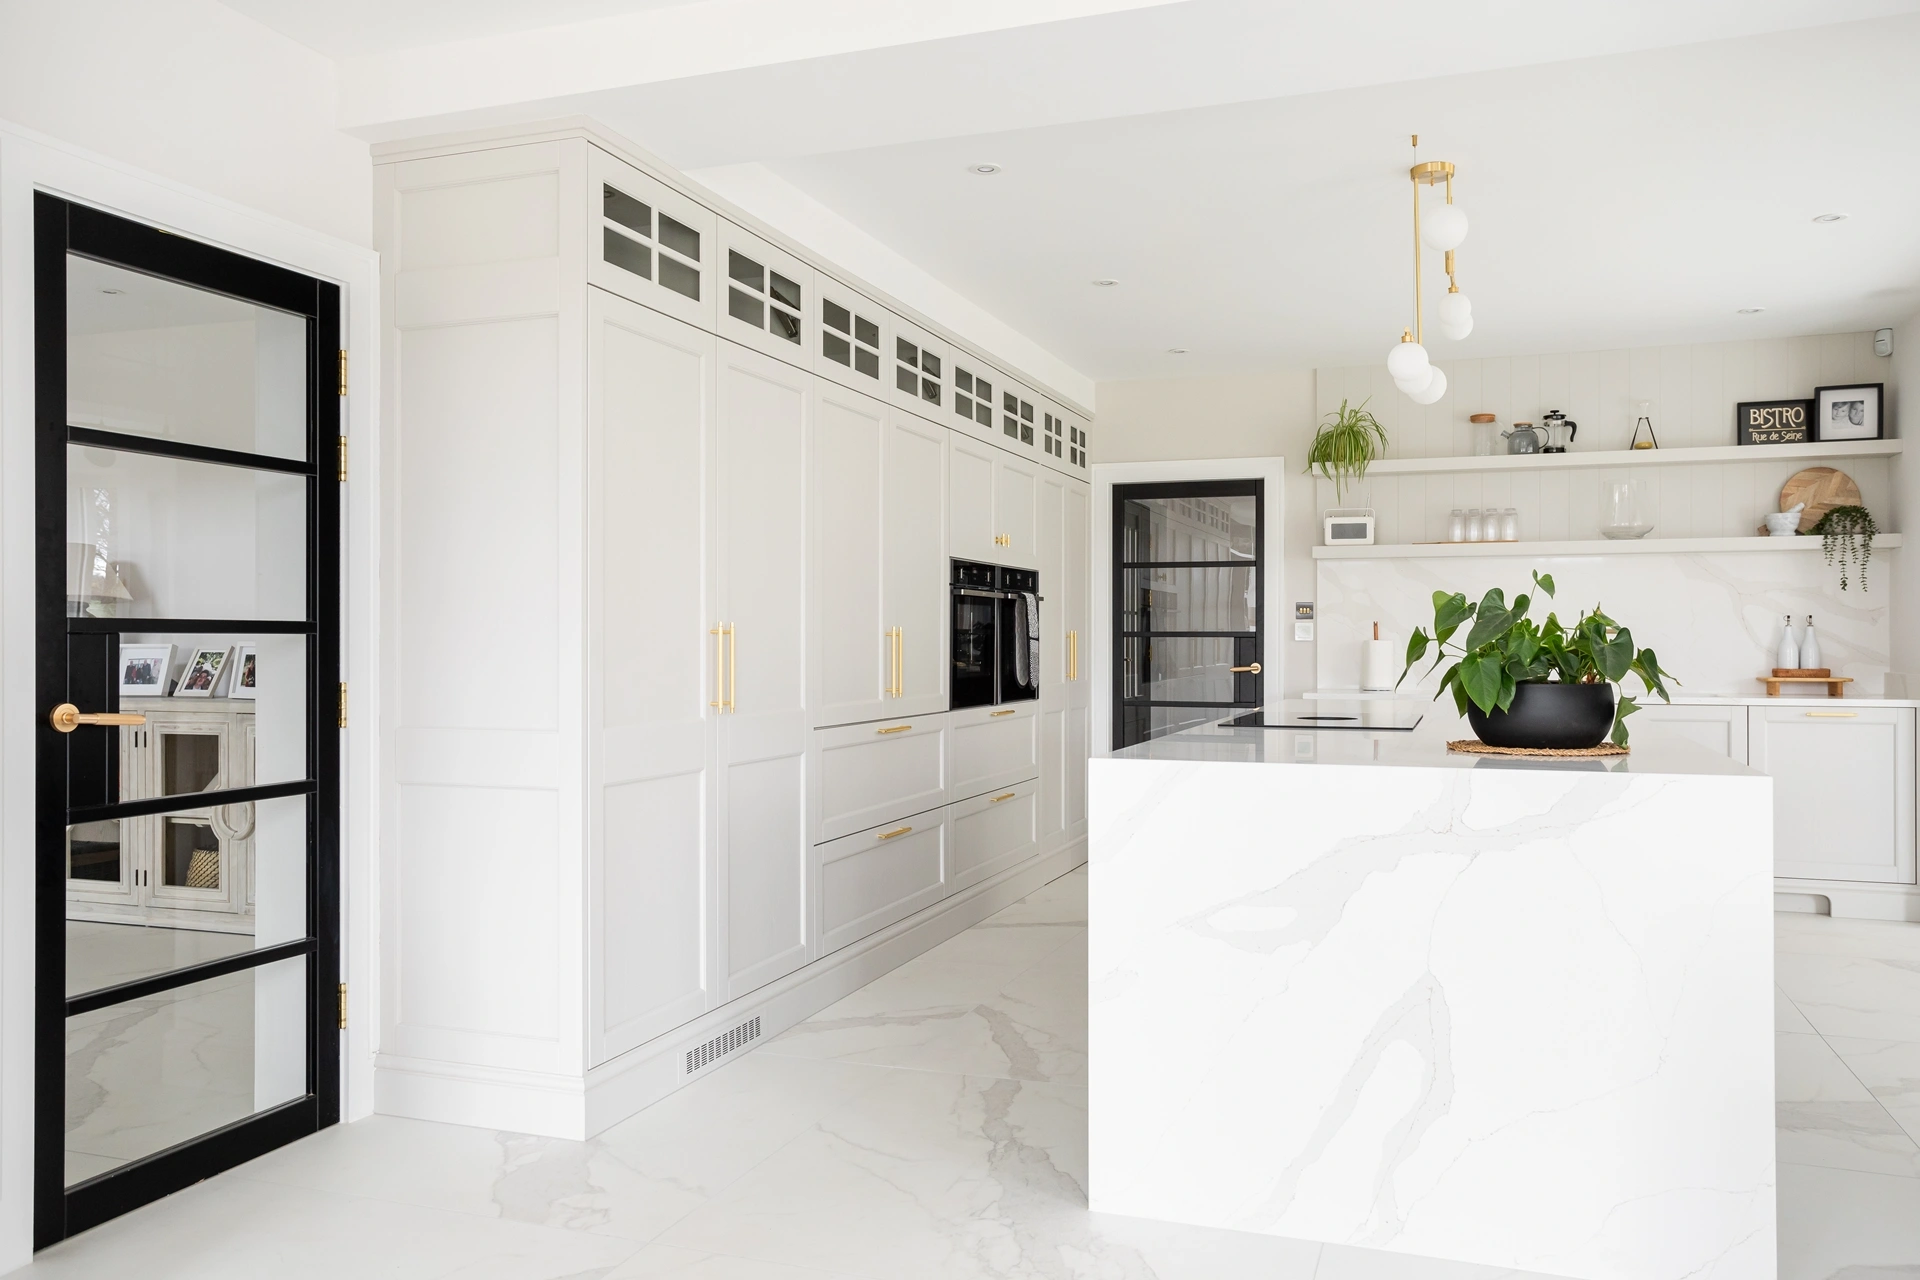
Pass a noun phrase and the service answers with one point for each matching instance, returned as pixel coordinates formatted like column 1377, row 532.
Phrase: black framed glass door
column 188, row 777
column 1187, row 587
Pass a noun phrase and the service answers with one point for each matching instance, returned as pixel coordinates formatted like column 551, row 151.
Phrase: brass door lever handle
column 1253, row 670
column 66, row 717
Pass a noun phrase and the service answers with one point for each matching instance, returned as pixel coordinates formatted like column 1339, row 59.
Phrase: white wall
column 193, row 91
column 1254, row 415
column 1904, row 506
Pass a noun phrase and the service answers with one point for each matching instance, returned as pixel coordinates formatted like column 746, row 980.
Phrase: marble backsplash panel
column 1712, row 617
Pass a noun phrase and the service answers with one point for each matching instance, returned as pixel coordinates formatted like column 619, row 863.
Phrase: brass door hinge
column 343, row 373
column 343, row 1006
column 343, row 459
column 343, row 704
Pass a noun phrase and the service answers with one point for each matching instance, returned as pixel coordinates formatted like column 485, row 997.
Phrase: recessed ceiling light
column 1750, row 311
column 1829, row 217
column 1105, row 282
column 985, row 168
column 113, row 291
column 1176, row 351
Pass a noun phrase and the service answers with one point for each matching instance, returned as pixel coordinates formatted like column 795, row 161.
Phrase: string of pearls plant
column 1413, row 372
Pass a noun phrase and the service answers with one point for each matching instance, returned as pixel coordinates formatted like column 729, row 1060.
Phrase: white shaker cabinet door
column 853, row 644
column 762, row 433
column 1842, row 789
column 1016, row 510
column 650, row 393
column 915, row 601
column 1720, row 729
column 970, row 475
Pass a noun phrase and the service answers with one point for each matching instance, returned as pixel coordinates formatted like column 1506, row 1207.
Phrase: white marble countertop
column 1679, row 699
column 1421, row 748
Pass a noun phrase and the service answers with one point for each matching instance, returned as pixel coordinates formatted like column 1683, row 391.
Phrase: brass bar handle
column 897, row 831
column 1009, row 711
column 719, row 664
column 66, row 717
column 1825, row 715
column 899, row 662
column 1251, row 670
column 1073, row 655
column 898, row 728
column 733, row 670
column 1007, row 796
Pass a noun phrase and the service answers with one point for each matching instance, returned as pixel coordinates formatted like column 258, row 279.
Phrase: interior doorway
column 1188, row 614
column 188, row 765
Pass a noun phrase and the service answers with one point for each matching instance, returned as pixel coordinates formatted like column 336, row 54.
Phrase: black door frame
column 60, row 228
column 1248, row 686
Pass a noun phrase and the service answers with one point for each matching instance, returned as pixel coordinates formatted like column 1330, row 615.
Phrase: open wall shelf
column 1584, row 547
column 1824, row 451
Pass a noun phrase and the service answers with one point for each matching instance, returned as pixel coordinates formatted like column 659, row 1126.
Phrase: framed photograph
column 243, row 685
column 1773, row 421
column 1848, row 413
column 144, row 669
column 202, row 675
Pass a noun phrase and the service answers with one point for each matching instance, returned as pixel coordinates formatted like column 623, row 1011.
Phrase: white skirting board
column 1897, row 902
column 558, row 1106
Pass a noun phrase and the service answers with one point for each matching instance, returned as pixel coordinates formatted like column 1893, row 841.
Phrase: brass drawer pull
column 1009, row 711
column 1833, row 715
column 1005, row 796
column 898, row 728
column 888, row 835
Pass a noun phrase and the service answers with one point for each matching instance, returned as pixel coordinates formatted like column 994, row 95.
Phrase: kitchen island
column 1348, row 987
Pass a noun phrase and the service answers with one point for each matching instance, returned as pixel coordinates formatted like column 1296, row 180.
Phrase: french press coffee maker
column 1560, row 431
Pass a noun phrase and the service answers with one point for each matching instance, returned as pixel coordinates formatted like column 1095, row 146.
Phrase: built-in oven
column 996, row 635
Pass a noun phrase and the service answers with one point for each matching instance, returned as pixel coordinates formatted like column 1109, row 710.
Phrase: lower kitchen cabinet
column 993, row 832
column 992, row 747
column 1843, row 790
column 873, row 878
column 1720, row 729
column 866, row 774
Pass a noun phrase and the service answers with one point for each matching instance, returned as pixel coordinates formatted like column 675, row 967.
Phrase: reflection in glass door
column 187, row 625
column 1187, row 604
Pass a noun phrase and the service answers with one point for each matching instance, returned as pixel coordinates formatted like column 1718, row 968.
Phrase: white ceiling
column 1635, row 171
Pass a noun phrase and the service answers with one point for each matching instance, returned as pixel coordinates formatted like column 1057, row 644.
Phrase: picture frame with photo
column 202, row 674
column 144, row 669
column 1853, row 412
column 242, row 684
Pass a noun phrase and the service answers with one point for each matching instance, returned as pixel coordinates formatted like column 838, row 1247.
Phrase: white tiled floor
column 933, row 1125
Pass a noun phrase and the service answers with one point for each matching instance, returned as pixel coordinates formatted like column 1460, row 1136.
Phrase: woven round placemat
column 1473, row 746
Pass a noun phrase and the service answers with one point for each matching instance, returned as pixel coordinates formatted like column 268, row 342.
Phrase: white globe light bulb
column 1454, row 331
column 1407, row 360
column 1444, row 228
column 1454, row 308
column 1435, row 388
column 1417, row 382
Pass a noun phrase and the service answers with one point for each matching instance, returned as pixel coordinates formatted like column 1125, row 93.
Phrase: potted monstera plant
column 1538, row 685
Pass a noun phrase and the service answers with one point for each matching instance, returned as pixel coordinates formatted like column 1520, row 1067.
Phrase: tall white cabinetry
column 666, row 743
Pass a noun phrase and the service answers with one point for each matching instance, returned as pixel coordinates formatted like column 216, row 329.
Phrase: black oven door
column 974, row 659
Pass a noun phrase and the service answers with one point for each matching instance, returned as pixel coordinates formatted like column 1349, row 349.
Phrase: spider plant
column 1346, row 445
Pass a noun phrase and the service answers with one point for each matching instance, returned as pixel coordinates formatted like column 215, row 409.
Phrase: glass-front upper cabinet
column 855, row 333
column 976, row 388
column 649, row 243
column 767, row 300
column 1017, row 417
column 918, row 371
column 1063, row 439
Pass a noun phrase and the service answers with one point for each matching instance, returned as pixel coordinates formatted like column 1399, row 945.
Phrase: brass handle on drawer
column 1253, row 670
column 1834, row 715
column 897, row 831
column 898, row 728
column 66, row 717
column 1009, row 711
column 1007, row 796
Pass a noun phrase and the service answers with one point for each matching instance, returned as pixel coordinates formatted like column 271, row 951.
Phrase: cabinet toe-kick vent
column 722, row 1045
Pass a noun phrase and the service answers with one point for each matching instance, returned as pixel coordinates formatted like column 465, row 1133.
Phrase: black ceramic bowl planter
column 1548, row 717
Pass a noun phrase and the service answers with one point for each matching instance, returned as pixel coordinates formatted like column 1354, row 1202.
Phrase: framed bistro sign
column 1774, row 421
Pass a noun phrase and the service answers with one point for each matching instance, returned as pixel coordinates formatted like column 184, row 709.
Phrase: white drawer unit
column 920, row 371
column 992, row 832
column 649, row 243
column 992, row 747
column 853, row 338
column 1843, row 790
column 1720, row 729
column 873, row 878
column 865, row 774
column 767, row 301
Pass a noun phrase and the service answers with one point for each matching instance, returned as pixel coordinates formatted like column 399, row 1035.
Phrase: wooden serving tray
column 1803, row 673
column 1832, row 682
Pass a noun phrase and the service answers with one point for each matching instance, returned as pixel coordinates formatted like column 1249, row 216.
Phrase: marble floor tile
column 1346, row 1262
column 633, row 1181
column 1845, row 1135
column 664, row 1262
column 997, row 942
column 1890, row 1070
column 236, row 1228
column 1059, row 901
column 1799, row 933
column 1806, row 1069
column 1866, row 997
column 1787, row 1016
column 1839, row 1224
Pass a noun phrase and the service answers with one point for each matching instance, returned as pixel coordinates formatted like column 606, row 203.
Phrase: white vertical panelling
column 1693, row 390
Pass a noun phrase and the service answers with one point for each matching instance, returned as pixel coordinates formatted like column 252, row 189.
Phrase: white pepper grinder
column 1788, row 658
column 1809, row 646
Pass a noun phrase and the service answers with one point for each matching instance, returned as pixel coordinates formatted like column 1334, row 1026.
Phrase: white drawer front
column 993, row 832
column 992, row 747
column 866, row 774
column 870, row 880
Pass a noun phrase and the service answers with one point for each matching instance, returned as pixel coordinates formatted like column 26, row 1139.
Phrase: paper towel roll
column 1377, row 665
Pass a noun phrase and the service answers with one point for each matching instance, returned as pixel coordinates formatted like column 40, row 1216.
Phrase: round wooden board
column 1822, row 489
